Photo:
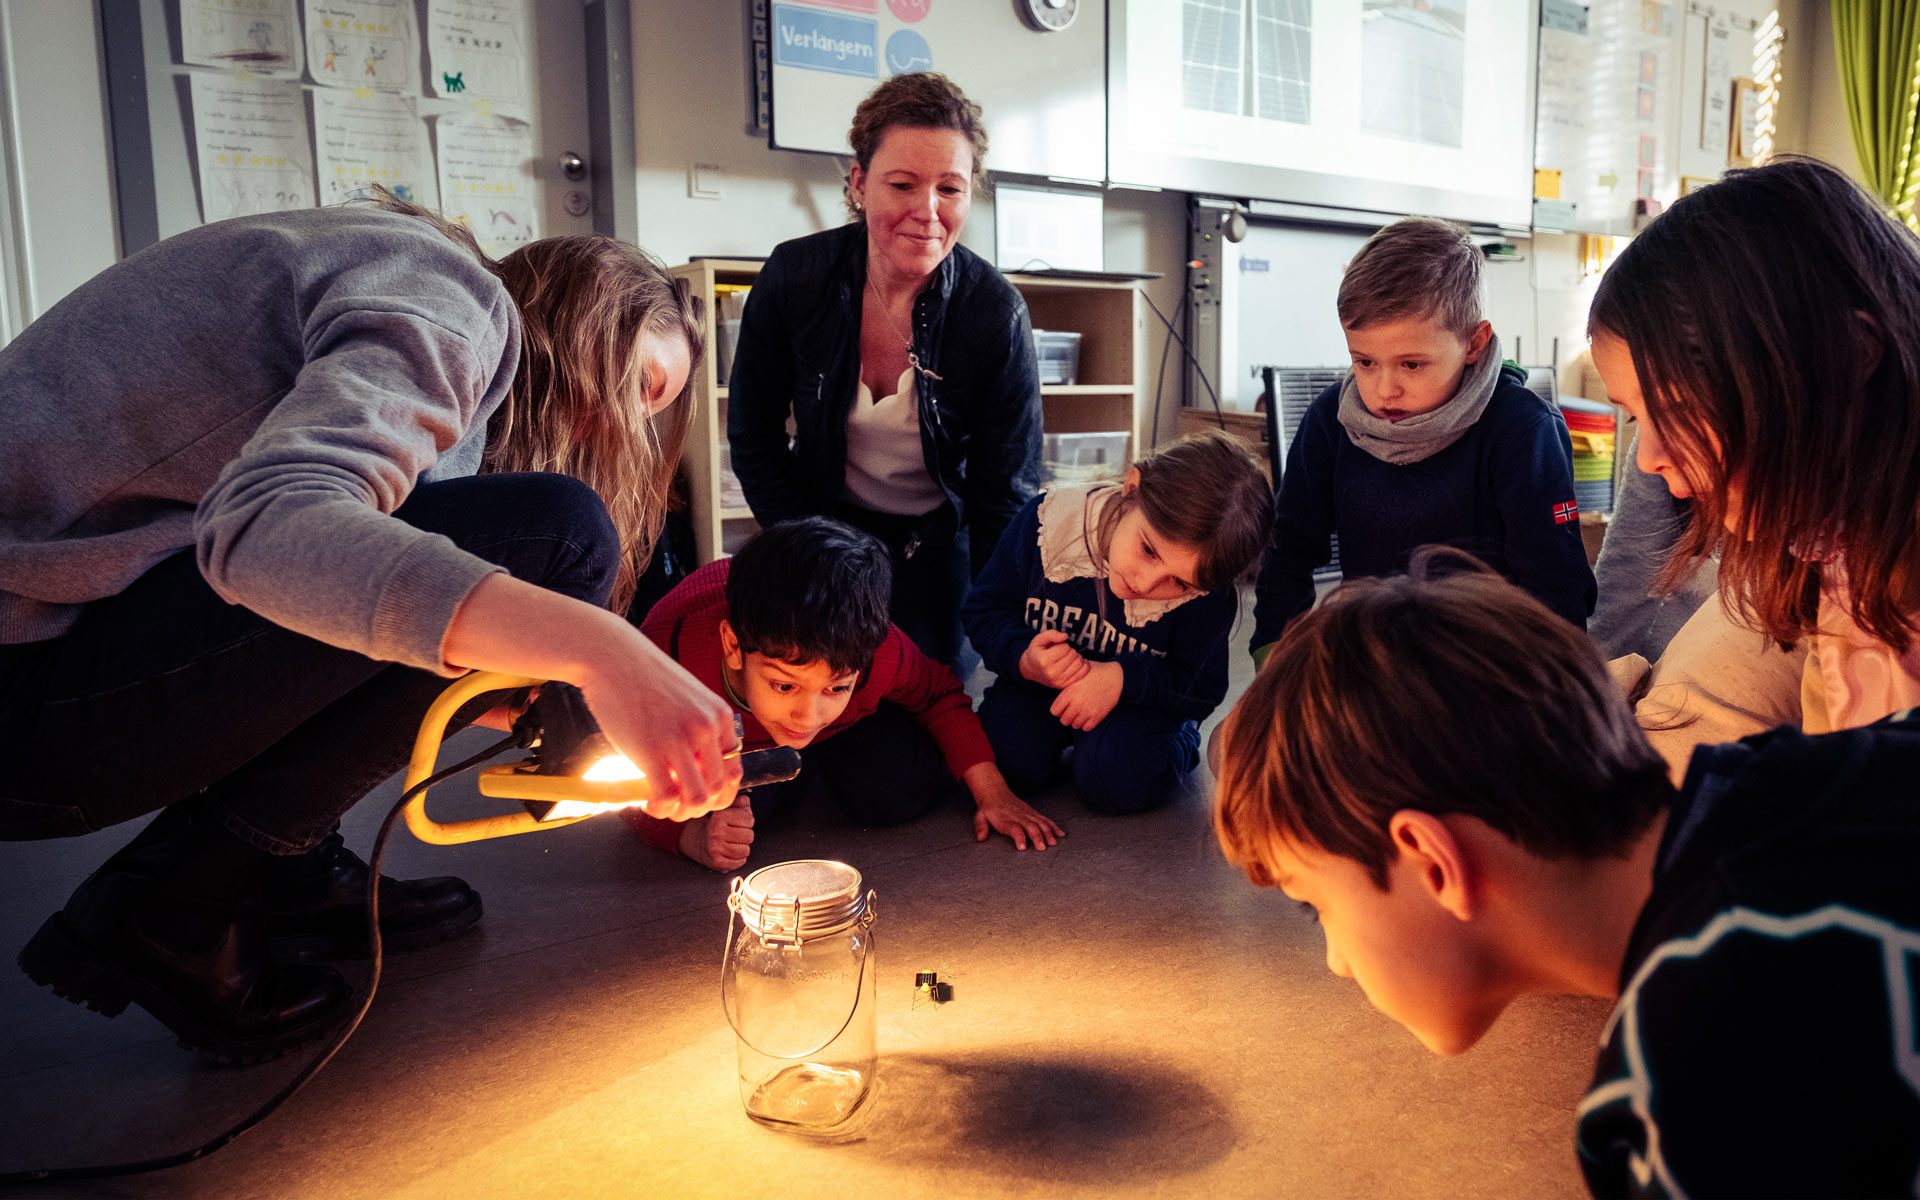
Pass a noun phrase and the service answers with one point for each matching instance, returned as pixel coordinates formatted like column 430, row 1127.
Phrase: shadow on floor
column 1042, row 1117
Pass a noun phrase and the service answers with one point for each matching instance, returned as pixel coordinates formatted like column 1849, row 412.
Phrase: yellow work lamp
column 574, row 772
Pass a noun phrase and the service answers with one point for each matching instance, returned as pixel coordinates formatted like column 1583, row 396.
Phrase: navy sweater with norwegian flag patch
column 1503, row 492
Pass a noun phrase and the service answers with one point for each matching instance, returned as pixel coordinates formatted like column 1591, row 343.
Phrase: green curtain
column 1877, row 44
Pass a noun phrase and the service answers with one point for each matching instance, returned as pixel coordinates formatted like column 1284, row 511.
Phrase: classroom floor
column 1130, row 1017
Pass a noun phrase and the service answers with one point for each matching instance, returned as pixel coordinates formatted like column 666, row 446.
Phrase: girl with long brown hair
column 1765, row 334
column 267, row 484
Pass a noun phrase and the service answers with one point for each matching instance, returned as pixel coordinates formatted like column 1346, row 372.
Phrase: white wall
column 59, row 182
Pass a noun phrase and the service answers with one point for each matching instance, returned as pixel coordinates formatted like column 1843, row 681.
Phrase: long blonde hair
column 578, row 402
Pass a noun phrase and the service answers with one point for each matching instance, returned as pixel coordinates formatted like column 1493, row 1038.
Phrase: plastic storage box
column 1084, row 457
column 1059, row 355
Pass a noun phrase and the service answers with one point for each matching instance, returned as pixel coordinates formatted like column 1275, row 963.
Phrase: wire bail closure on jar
column 791, row 903
column 785, row 906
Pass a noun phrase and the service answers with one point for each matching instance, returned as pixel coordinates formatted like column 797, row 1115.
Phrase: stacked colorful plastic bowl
column 1591, row 424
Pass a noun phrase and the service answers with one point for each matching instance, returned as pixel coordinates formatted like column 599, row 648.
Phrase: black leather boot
column 171, row 923
column 316, row 906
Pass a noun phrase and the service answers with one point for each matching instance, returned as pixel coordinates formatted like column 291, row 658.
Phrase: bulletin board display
column 1611, row 84
column 1042, row 95
column 234, row 109
column 1383, row 105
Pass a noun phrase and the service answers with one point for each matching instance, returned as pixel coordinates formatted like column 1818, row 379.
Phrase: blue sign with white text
column 822, row 41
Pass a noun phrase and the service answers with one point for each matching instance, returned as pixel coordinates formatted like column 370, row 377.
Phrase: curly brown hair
column 923, row 100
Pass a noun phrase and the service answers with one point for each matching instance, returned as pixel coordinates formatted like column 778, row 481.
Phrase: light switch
column 703, row 181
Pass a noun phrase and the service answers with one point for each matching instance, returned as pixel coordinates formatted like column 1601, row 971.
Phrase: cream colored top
column 886, row 467
column 1851, row 679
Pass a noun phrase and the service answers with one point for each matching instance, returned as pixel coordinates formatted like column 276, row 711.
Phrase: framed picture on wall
column 1693, row 183
column 1742, row 144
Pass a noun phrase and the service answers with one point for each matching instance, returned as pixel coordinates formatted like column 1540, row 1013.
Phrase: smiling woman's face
column 916, row 194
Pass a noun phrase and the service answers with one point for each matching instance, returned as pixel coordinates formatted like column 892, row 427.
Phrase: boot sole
column 58, row 960
column 337, row 947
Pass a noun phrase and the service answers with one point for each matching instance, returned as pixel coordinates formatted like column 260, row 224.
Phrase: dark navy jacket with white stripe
column 1767, row 1037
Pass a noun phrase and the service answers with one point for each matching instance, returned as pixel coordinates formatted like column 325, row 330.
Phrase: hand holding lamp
column 574, row 772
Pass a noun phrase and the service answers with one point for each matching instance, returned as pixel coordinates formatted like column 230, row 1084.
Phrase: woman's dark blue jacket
column 799, row 350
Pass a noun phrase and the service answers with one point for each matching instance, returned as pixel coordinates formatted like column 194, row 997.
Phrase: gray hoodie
column 264, row 390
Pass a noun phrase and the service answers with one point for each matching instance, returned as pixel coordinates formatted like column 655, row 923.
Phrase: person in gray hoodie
column 265, row 486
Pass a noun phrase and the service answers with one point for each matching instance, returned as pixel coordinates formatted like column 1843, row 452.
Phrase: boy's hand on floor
column 720, row 840
column 1086, row 703
column 999, row 809
column 1051, row 661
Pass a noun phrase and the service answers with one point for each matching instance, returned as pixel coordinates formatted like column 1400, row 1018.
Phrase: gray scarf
column 1431, row 432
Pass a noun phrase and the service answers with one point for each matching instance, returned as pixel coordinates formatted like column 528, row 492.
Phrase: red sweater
column 686, row 624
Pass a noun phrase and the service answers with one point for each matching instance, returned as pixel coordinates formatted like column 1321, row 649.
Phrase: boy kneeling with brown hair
column 1442, row 770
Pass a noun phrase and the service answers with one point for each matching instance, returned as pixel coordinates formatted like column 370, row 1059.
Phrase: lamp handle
column 426, row 752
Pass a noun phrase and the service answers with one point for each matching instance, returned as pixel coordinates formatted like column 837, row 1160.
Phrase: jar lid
column 806, row 898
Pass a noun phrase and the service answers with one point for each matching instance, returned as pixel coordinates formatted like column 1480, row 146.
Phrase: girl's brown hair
column 1774, row 323
column 578, row 404
column 922, row 100
column 1204, row 491
column 1445, row 690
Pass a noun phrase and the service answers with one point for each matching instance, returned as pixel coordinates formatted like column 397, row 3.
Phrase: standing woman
column 1765, row 334
column 265, row 486
column 905, row 361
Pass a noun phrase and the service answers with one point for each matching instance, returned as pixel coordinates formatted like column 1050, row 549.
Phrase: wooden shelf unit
column 706, row 449
column 1108, row 394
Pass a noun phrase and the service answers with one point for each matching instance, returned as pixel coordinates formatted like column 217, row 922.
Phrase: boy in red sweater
column 793, row 631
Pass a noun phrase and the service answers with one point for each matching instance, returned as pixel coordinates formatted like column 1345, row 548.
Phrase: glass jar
column 798, row 988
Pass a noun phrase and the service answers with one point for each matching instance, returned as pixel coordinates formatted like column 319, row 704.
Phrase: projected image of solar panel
column 1283, row 60
column 1210, row 55
column 1413, row 77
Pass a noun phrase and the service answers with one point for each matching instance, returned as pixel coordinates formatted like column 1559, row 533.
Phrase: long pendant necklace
column 913, row 359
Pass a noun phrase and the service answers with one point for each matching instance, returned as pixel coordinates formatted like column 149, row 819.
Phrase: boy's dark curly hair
column 811, row 590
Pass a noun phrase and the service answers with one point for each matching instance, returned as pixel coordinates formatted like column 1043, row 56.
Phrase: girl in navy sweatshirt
column 1104, row 612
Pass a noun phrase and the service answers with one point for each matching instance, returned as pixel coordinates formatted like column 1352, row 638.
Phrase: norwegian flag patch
column 1562, row 513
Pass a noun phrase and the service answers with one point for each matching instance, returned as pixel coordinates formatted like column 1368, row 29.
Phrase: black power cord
column 340, row 1039
column 1188, row 351
column 1160, row 375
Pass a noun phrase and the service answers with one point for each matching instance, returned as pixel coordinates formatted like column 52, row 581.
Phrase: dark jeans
column 1128, row 763
column 930, row 574
column 882, row 770
column 166, row 690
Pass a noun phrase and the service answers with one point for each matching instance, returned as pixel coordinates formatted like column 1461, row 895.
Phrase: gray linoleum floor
column 1131, row 1017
